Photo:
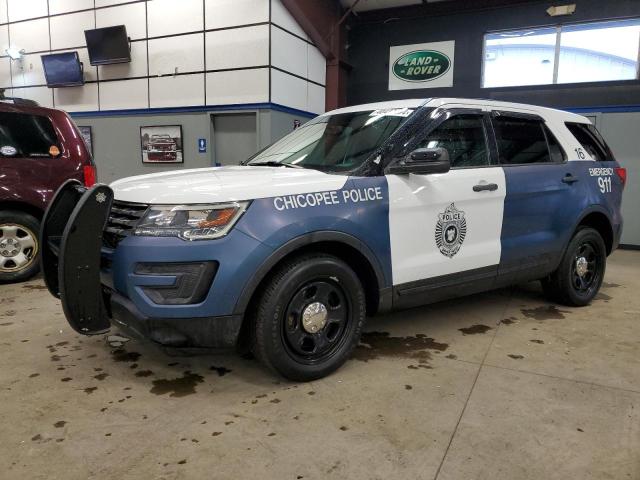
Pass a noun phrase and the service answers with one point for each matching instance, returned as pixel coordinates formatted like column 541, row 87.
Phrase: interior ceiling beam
column 432, row 9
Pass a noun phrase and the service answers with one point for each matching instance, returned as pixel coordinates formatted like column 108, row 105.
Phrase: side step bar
column 71, row 243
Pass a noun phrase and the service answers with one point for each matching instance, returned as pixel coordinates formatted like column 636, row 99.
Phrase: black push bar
column 71, row 243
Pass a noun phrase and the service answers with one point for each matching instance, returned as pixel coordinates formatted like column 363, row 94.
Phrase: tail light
column 89, row 172
column 622, row 173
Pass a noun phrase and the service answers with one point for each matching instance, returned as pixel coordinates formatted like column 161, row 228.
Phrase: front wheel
column 18, row 246
column 309, row 318
column 579, row 277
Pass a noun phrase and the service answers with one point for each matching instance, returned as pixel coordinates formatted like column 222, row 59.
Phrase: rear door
column 544, row 196
column 445, row 228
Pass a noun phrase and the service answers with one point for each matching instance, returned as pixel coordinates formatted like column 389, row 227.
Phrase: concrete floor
column 501, row 385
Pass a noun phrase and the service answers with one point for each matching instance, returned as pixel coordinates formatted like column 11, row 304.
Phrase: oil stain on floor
column 374, row 345
column 549, row 312
column 475, row 329
column 178, row 387
column 121, row 355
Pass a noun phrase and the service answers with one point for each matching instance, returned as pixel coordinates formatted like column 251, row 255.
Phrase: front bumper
column 199, row 332
column 174, row 292
column 237, row 256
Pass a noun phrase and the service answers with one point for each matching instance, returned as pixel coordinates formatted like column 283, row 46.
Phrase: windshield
column 334, row 143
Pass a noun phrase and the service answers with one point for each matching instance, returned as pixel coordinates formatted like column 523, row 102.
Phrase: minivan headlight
column 190, row 222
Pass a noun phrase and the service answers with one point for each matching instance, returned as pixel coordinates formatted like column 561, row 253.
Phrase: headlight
column 190, row 222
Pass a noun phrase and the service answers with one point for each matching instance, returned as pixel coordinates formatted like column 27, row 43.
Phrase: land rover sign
column 421, row 65
column 425, row 65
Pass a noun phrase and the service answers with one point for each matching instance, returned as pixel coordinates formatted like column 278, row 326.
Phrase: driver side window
column 463, row 136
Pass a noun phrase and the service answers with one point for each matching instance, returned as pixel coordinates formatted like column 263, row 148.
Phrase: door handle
column 491, row 187
column 569, row 179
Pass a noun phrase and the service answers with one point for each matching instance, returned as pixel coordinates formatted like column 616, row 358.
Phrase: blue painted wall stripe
column 201, row 108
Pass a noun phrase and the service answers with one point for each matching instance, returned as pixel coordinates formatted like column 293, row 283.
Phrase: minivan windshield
column 334, row 143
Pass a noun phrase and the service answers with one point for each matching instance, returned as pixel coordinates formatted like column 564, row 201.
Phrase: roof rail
column 17, row 100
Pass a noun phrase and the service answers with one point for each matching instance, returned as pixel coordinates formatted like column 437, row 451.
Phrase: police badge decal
column 450, row 231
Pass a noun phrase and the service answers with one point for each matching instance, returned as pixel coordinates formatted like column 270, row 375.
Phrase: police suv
column 359, row 211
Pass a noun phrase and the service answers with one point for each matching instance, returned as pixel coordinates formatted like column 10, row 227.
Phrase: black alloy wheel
column 586, row 267
column 316, row 321
column 579, row 276
column 309, row 317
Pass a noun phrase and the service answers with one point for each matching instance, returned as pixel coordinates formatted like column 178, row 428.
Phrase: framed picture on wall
column 85, row 132
column 161, row 144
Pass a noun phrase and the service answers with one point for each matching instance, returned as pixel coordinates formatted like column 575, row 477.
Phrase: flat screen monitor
column 108, row 45
column 63, row 69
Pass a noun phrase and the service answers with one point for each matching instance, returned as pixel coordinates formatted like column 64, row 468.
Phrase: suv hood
column 223, row 184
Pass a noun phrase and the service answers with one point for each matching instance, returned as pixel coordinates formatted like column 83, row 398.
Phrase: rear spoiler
column 17, row 100
column 71, row 243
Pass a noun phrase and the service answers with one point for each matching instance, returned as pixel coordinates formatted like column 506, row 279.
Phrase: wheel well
column 22, row 207
column 600, row 222
column 348, row 254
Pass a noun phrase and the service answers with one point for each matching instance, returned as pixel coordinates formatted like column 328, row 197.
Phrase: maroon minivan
column 40, row 148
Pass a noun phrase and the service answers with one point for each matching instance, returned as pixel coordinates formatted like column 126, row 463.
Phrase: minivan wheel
column 19, row 246
column 579, row 277
column 309, row 317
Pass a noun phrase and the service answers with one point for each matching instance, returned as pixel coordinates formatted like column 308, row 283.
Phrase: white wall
column 184, row 53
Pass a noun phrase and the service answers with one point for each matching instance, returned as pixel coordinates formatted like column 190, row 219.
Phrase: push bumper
column 130, row 292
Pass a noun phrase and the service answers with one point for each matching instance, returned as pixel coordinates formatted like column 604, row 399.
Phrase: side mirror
column 422, row 161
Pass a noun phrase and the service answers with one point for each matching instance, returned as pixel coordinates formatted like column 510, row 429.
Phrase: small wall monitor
column 108, row 45
column 63, row 69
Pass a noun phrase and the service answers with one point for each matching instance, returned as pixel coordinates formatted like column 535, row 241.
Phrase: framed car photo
column 161, row 144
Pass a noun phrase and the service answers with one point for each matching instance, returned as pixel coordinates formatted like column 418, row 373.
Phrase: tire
column 566, row 285
column 289, row 334
column 19, row 246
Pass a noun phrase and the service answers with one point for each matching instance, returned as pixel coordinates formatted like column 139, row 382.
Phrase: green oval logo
column 421, row 66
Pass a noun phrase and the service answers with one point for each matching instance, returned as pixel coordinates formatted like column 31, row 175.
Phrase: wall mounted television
column 63, row 69
column 108, row 45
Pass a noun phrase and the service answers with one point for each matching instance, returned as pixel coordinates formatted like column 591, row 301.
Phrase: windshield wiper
column 271, row 163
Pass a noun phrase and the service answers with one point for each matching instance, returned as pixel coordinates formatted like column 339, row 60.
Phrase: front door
column 445, row 228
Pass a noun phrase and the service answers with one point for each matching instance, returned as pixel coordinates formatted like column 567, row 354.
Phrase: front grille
column 122, row 219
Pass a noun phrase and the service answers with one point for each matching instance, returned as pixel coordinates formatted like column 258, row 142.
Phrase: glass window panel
column 588, row 140
column 23, row 135
column 464, row 139
column 599, row 52
column 524, row 57
column 334, row 143
column 520, row 141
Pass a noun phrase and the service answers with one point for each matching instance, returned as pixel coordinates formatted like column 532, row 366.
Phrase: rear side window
column 25, row 135
column 524, row 141
column 591, row 140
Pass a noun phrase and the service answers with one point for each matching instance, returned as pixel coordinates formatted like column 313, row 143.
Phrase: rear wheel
column 309, row 318
column 19, row 246
column 579, row 277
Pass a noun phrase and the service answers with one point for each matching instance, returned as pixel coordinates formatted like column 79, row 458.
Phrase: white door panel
column 416, row 201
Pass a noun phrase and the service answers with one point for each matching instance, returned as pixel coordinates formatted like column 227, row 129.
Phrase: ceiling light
column 15, row 53
column 559, row 10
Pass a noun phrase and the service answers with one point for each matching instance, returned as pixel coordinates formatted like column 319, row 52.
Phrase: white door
column 448, row 223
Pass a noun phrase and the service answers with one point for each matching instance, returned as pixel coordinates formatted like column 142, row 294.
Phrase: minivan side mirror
column 422, row 161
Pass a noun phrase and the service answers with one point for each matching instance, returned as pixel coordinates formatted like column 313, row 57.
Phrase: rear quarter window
column 28, row 136
column 591, row 140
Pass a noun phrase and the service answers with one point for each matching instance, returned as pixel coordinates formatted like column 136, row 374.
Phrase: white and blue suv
column 361, row 210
